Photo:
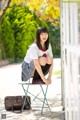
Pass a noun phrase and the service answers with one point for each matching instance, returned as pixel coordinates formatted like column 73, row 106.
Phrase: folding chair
column 25, row 86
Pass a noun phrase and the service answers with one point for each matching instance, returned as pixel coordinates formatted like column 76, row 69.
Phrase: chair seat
column 38, row 81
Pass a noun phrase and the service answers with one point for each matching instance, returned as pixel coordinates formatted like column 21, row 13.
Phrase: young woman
column 38, row 61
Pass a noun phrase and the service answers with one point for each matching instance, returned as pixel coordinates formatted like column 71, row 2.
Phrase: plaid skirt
column 28, row 69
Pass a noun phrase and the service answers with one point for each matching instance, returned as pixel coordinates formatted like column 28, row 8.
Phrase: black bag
column 16, row 102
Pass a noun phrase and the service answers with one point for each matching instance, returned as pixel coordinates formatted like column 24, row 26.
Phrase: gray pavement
column 10, row 77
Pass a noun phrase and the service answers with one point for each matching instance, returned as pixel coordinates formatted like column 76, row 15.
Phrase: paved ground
column 10, row 76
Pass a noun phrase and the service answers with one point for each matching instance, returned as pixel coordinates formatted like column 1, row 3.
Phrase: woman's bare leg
column 49, row 60
column 42, row 61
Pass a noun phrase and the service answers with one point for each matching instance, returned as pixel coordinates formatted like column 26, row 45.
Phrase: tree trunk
column 8, row 3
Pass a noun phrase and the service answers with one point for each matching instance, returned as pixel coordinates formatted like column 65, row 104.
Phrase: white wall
column 70, row 60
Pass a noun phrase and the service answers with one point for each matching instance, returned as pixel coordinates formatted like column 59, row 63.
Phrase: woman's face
column 43, row 36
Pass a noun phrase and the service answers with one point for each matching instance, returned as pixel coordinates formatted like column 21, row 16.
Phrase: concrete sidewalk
column 10, row 76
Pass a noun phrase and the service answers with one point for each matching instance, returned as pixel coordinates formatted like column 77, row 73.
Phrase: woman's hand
column 47, row 81
column 49, row 78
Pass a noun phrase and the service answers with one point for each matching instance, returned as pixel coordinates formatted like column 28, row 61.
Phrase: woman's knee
column 49, row 60
column 42, row 61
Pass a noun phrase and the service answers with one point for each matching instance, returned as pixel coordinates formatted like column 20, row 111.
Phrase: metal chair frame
column 26, row 91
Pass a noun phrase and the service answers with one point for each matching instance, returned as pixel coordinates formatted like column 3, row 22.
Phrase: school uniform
column 28, row 66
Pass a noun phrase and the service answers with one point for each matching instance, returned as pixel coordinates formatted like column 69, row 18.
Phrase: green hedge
column 17, row 32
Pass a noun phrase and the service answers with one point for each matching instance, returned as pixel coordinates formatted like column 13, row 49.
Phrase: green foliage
column 7, row 38
column 55, row 40
column 2, row 51
column 18, row 31
column 57, row 72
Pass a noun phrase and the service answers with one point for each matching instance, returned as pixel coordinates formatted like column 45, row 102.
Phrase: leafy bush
column 18, row 31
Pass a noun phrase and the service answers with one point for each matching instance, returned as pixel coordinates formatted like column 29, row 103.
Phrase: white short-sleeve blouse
column 34, row 52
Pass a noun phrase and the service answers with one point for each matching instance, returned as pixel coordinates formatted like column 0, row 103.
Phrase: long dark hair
column 38, row 32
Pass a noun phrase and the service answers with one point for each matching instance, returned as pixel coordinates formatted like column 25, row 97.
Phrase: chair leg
column 25, row 91
column 45, row 99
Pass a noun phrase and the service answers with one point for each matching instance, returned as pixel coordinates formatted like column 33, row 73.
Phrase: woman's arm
column 50, row 72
